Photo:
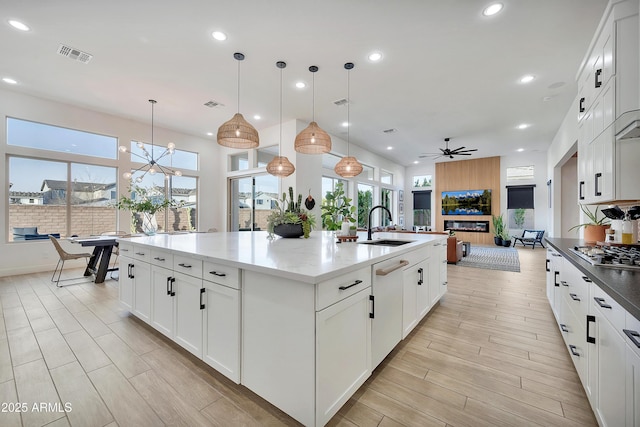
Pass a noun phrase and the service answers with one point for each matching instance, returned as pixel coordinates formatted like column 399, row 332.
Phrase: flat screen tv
column 467, row 202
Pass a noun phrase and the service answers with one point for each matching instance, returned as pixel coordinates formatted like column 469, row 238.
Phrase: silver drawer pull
column 384, row 272
column 357, row 282
column 215, row 273
column 159, row 259
column 184, row 265
column 140, row 253
column 632, row 336
column 124, row 250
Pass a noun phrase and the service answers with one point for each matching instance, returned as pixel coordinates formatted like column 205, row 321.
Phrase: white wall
column 569, row 204
column 419, row 170
column 23, row 257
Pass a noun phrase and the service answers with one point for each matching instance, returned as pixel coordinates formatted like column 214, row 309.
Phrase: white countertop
column 309, row 260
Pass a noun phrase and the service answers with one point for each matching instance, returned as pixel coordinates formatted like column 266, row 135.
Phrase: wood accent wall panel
column 476, row 174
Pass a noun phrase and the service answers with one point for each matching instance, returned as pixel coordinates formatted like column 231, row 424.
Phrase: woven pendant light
column 348, row 166
column 313, row 140
column 237, row 132
column 280, row 165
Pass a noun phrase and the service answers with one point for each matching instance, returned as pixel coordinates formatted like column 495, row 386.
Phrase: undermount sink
column 386, row 242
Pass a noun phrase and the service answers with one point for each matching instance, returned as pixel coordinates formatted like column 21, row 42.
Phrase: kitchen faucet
column 369, row 232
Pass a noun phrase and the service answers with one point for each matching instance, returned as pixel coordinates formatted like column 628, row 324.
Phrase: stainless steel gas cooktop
column 623, row 257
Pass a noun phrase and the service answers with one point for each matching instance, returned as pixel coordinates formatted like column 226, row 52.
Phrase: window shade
column 520, row 197
column 422, row 200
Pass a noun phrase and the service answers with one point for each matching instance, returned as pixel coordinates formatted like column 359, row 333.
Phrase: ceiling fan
column 460, row 151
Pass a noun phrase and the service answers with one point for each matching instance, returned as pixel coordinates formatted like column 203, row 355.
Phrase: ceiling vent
column 391, row 130
column 213, row 104
column 75, row 54
column 341, row 102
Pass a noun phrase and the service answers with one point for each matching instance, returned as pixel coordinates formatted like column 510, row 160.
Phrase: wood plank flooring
column 490, row 354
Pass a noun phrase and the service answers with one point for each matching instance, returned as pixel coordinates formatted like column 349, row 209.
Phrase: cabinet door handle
column 385, row 271
column 580, row 188
column 590, row 319
column 131, row 276
column 597, row 181
column 444, row 283
column 124, row 250
column 564, row 283
column 421, row 279
column 632, row 336
column 140, row 253
column 159, row 259
column 555, row 278
column 184, row 265
column 586, row 279
column 574, row 350
column 546, row 266
column 563, row 327
column 168, row 285
column 582, row 105
column 357, row 282
column 601, row 302
column 215, row 273
column 373, row 307
column 201, row 295
column 173, row 280
column 574, row 297
column 598, row 74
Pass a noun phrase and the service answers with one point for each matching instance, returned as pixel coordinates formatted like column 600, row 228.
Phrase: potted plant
column 506, row 238
column 595, row 229
column 518, row 217
column 144, row 203
column 289, row 219
column 498, row 228
column 353, row 230
column 337, row 207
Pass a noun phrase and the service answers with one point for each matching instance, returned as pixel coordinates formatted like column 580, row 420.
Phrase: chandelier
column 280, row 165
column 313, row 140
column 348, row 166
column 152, row 165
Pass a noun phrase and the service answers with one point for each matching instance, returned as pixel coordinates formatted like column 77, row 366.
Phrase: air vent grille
column 341, row 102
column 213, row 104
column 75, row 54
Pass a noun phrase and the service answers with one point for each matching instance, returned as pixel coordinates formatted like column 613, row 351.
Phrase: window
column 367, row 173
column 386, row 177
column 266, row 154
column 42, row 196
column 365, row 203
column 252, row 199
column 422, row 208
column 386, row 200
column 239, row 161
column 329, row 184
column 422, row 181
column 520, row 206
column 518, row 173
column 24, row 133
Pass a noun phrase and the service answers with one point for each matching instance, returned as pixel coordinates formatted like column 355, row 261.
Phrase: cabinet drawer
column 222, row 274
column 126, row 249
column 161, row 258
column 610, row 309
column 576, row 293
column 633, row 326
column 329, row 292
column 187, row 265
column 143, row 253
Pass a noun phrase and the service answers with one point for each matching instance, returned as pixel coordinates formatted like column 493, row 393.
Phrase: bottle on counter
column 344, row 229
column 627, row 231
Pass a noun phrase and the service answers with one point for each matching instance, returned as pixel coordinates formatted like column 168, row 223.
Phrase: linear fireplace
column 471, row 226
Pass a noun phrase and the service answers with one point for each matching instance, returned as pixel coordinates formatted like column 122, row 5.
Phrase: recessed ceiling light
column 301, row 85
column 523, row 126
column 257, row 117
column 345, row 124
column 375, row 56
column 520, row 150
column 527, row 79
column 219, row 35
column 492, row 9
column 415, row 162
column 9, row 80
column 19, row 25
column 209, row 133
column 389, row 148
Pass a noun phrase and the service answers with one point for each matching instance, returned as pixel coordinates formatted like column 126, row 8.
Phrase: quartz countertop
column 310, row 260
column 621, row 285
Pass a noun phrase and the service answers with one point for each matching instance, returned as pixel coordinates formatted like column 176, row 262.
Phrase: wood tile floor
column 489, row 355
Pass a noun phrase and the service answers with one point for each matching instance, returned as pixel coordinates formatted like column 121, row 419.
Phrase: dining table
column 99, row 260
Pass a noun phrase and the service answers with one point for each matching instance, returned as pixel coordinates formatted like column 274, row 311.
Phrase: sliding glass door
column 252, row 200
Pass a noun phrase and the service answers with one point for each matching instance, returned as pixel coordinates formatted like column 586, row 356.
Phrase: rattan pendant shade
column 237, row 132
column 280, row 166
column 313, row 140
column 348, row 167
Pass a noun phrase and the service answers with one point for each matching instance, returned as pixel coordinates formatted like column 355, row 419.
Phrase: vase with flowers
column 144, row 203
column 289, row 219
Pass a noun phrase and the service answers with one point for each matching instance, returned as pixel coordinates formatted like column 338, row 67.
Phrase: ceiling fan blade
column 462, row 154
column 458, row 149
column 465, row 151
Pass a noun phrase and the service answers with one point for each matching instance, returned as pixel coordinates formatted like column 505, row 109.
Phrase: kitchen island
column 301, row 322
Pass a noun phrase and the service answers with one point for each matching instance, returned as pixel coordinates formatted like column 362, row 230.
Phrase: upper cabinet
column 608, row 103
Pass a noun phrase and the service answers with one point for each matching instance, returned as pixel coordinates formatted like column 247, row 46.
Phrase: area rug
column 492, row 259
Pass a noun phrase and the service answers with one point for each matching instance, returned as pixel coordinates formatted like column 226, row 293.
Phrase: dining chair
column 65, row 256
column 116, row 249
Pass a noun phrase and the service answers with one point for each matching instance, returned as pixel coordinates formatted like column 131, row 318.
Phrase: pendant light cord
column 152, row 105
column 348, row 109
column 280, row 143
column 313, row 105
column 238, row 86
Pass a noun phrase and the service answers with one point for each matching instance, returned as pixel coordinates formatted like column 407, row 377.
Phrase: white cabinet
column 633, row 385
column 125, row 281
column 141, row 272
column 441, row 251
column 553, row 267
column 189, row 305
column 343, row 352
column 162, row 298
column 221, row 329
column 415, row 295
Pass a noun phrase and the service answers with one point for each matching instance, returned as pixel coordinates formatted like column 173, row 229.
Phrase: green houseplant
column 518, row 217
column 498, row 228
column 594, row 230
column 336, row 207
column 289, row 219
column 144, row 203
